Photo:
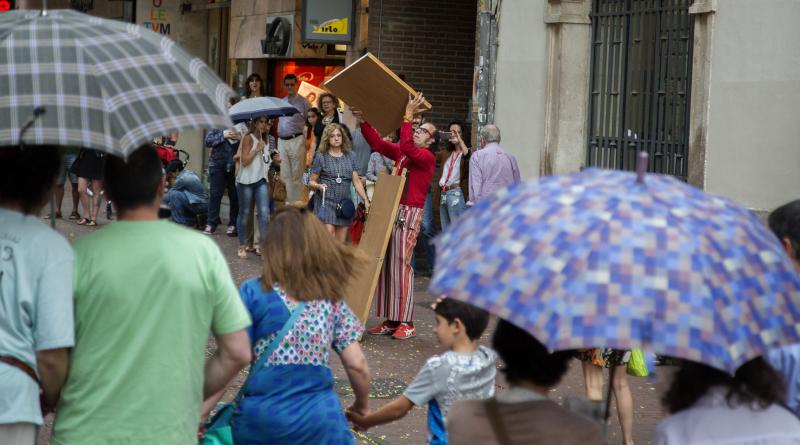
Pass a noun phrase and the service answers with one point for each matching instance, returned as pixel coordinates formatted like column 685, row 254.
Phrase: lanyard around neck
column 450, row 166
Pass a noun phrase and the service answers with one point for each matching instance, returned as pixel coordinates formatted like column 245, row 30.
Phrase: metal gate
column 640, row 79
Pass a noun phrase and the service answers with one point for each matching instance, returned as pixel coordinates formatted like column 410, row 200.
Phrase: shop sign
column 328, row 21
column 156, row 18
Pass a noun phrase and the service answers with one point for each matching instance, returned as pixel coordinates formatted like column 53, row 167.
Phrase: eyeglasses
column 327, row 102
column 425, row 130
column 290, row 85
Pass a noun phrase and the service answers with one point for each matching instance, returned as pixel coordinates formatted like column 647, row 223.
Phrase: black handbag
column 345, row 208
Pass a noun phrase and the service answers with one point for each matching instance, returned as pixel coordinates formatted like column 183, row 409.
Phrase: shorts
column 66, row 163
column 90, row 164
column 604, row 357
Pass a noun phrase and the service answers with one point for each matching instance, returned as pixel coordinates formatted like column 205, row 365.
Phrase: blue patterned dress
column 330, row 168
column 291, row 400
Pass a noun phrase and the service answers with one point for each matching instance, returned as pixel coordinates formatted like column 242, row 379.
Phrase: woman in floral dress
column 291, row 399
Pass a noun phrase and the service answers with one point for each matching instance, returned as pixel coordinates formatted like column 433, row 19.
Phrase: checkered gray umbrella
column 103, row 84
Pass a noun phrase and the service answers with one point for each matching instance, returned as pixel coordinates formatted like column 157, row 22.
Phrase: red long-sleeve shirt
column 420, row 162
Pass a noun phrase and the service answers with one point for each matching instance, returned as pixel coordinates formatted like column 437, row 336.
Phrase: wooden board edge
column 382, row 259
column 345, row 68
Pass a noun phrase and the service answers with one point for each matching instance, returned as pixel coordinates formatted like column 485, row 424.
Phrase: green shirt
column 147, row 293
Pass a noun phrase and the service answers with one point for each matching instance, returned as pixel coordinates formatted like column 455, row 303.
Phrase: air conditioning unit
column 279, row 36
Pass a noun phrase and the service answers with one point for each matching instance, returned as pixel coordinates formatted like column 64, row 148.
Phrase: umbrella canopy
column 266, row 106
column 597, row 259
column 103, row 84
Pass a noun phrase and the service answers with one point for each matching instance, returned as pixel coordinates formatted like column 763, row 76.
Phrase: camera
column 445, row 135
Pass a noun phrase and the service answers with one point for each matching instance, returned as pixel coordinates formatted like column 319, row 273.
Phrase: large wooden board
column 371, row 87
column 377, row 232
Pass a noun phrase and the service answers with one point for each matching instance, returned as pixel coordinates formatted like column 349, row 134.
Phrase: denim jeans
column 220, row 178
column 258, row 191
column 183, row 212
column 426, row 233
column 64, row 173
column 452, row 206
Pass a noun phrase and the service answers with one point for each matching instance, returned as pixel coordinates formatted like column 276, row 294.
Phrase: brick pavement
column 393, row 363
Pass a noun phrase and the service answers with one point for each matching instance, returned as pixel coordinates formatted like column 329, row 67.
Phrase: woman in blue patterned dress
column 291, row 399
column 333, row 171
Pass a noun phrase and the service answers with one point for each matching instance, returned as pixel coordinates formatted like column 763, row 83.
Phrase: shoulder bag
column 218, row 430
column 345, row 208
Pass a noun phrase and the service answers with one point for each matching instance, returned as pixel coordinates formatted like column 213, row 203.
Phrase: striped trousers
column 395, row 292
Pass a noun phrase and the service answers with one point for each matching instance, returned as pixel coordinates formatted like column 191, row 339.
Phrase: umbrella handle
column 641, row 166
column 611, row 370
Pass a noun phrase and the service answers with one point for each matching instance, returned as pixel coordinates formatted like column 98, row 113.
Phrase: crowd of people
column 114, row 340
column 332, row 169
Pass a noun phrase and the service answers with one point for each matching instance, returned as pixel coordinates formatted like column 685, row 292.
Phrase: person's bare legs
column 593, row 380
column 59, row 191
column 97, row 199
column 75, row 197
column 622, row 395
column 331, row 229
column 83, row 192
column 340, row 233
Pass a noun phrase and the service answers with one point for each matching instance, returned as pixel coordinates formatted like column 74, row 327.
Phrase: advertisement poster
column 310, row 92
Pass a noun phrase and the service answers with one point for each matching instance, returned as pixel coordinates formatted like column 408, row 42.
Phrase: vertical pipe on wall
column 484, row 68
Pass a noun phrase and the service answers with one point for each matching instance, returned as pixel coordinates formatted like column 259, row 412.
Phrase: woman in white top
column 711, row 406
column 251, row 182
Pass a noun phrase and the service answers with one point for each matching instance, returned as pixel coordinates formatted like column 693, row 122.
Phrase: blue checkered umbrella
column 597, row 259
column 266, row 106
column 102, row 84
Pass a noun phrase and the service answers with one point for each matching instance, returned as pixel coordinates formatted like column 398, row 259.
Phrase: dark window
column 640, row 79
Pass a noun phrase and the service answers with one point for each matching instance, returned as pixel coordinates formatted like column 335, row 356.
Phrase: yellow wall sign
column 328, row 21
column 333, row 26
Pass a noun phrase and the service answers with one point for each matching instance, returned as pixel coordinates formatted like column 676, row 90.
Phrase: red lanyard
column 453, row 160
column 401, row 164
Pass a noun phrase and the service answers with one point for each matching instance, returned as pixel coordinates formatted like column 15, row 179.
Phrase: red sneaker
column 384, row 328
column 404, row 331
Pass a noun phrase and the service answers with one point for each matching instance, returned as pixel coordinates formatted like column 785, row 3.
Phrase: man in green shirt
column 147, row 293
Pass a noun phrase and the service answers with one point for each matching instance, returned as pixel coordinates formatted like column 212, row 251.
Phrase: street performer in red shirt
column 396, row 283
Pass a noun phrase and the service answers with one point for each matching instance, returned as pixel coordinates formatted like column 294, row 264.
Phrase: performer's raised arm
column 376, row 142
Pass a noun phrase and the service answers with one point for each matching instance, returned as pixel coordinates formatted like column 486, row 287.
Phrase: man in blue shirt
column 36, row 269
column 187, row 198
column 785, row 224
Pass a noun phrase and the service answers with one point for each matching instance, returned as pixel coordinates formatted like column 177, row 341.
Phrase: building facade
column 430, row 44
column 196, row 26
column 708, row 88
